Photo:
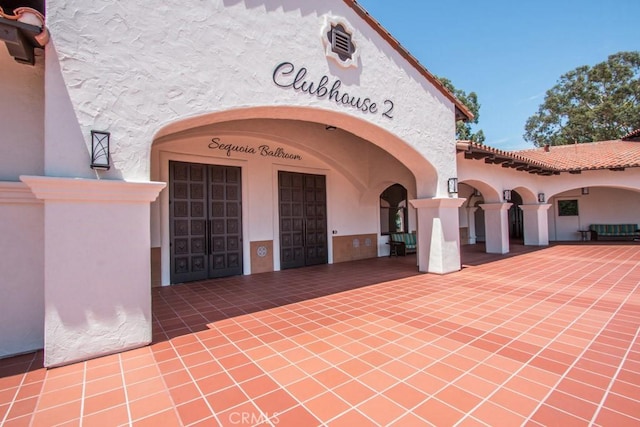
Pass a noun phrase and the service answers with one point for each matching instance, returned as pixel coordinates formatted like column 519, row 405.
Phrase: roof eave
column 461, row 111
column 21, row 35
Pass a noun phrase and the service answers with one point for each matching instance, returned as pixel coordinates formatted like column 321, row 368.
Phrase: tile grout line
column 381, row 393
column 13, row 400
column 440, row 298
column 167, row 389
column 324, row 303
column 291, row 363
column 584, row 311
column 615, row 376
column 584, row 350
column 195, row 382
column 82, row 395
column 124, row 388
column 39, row 394
column 280, row 354
column 448, row 315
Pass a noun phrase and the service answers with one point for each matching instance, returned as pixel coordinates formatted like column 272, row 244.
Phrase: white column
column 438, row 235
column 496, row 225
column 96, row 266
column 471, row 221
column 536, row 224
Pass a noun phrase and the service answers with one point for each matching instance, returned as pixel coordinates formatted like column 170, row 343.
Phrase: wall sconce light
column 541, row 197
column 476, row 192
column 506, row 195
column 100, row 150
column 330, row 128
column 452, row 185
column 585, row 190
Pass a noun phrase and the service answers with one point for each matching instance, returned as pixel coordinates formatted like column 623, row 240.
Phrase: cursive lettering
column 263, row 150
column 215, row 144
column 286, row 76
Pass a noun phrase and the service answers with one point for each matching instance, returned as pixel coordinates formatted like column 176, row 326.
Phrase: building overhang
column 475, row 151
column 23, row 31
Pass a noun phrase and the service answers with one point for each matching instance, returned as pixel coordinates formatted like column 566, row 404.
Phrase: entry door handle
column 304, row 232
column 208, row 228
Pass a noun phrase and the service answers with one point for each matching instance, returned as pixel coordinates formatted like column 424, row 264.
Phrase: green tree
column 463, row 129
column 589, row 104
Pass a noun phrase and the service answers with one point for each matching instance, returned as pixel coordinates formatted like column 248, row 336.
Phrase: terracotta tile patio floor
column 539, row 337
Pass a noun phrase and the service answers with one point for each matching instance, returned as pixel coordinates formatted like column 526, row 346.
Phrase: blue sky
column 509, row 52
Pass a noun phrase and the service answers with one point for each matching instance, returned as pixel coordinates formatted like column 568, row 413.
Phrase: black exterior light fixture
column 452, row 185
column 541, row 198
column 100, row 158
column 506, row 195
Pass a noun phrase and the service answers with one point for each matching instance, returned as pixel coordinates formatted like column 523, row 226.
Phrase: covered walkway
column 538, row 337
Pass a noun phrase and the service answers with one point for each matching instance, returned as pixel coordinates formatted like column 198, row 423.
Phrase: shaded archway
column 423, row 170
column 516, row 220
column 299, row 141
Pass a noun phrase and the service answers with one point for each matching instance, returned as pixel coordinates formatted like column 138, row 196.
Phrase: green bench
column 402, row 243
column 612, row 231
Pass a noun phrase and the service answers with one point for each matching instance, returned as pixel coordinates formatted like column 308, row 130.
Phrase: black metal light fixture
column 452, row 185
column 585, row 191
column 541, row 198
column 476, row 192
column 100, row 158
column 506, row 195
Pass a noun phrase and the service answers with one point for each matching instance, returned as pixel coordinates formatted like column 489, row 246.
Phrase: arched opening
column 516, row 219
column 481, row 236
column 279, row 225
column 394, row 215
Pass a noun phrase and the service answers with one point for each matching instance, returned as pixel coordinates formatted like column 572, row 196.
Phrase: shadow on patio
column 548, row 337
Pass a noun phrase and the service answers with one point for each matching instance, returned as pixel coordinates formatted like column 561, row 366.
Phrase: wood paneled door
column 303, row 219
column 205, row 220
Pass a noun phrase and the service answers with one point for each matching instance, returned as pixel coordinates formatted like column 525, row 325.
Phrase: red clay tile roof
column 616, row 154
column 508, row 159
column 573, row 158
column 462, row 112
column 632, row 135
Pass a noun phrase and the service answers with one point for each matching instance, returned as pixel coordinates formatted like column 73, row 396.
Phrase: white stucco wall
column 96, row 257
column 21, row 270
column 603, row 205
column 21, row 117
column 143, row 65
column 357, row 172
column 614, row 196
column 21, row 215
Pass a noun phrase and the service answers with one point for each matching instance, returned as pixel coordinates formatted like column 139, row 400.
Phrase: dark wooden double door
column 303, row 219
column 205, row 205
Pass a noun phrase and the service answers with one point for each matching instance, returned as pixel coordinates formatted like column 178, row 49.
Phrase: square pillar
column 496, row 225
column 97, row 280
column 438, row 235
column 471, row 221
column 536, row 224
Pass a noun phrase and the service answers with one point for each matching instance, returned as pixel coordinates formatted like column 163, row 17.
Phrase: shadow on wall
column 68, row 149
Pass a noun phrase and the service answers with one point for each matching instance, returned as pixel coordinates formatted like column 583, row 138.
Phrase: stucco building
column 148, row 144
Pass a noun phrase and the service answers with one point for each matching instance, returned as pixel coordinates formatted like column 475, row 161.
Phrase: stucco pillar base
column 97, row 266
column 471, row 220
column 496, row 225
column 536, row 224
column 438, row 235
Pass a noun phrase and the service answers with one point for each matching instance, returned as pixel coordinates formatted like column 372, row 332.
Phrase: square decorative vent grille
column 338, row 41
column 341, row 42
